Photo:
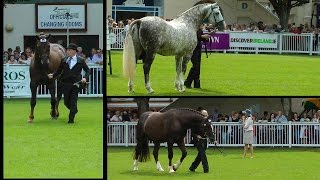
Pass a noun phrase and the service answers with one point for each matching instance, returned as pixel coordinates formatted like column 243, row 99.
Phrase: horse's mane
column 197, row 7
column 189, row 109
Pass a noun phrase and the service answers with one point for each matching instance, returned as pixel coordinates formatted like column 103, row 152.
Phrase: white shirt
column 73, row 61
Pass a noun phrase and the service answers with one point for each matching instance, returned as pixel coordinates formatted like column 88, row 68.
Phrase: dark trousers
column 201, row 157
column 70, row 93
column 194, row 73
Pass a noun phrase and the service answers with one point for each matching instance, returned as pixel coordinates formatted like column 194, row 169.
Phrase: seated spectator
column 234, row 117
column 12, row 60
column 18, row 49
column 265, row 115
column 28, row 54
column 98, row 58
column 5, row 57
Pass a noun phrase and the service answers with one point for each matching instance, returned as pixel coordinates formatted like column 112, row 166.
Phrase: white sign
column 16, row 80
column 261, row 40
column 55, row 16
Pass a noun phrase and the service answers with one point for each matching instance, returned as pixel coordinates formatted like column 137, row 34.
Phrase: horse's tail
column 141, row 151
column 129, row 54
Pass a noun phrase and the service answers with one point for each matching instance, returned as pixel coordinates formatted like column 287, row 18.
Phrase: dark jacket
column 72, row 75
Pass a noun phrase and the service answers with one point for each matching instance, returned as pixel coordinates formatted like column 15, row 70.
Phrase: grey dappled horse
column 151, row 35
column 46, row 59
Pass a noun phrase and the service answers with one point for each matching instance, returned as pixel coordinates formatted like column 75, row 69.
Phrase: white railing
column 231, row 134
column 287, row 43
column 94, row 88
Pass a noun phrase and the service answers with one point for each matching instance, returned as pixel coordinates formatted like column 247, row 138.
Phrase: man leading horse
column 70, row 76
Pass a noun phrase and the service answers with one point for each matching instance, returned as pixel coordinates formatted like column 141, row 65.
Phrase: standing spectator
column 265, row 115
column 272, row 128
column 10, row 51
column 304, row 131
column 92, row 53
column 28, row 53
column 316, row 134
column 247, row 132
column 18, row 49
column 117, row 117
column 281, row 119
column 125, row 117
column 16, row 54
column 116, row 136
column 98, row 58
column 296, row 129
column 80, row 52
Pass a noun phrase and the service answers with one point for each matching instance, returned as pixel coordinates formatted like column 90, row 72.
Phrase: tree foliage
column 283, row 8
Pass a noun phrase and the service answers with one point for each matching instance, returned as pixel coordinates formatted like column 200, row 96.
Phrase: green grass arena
column 226, row 75
column 268, row 163
column 52, row 148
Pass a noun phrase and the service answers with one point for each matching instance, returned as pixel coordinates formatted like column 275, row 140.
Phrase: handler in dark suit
column 71, row 78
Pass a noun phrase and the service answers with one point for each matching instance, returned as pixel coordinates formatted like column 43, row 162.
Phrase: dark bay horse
column 47, row 58
column 171, row 127
column 152, row 35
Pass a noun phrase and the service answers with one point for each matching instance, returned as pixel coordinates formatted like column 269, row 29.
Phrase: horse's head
column 206, row 129
column 215, row 16
column 43, row 48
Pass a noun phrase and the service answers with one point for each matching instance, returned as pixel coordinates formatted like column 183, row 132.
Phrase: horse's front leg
column 33, row 100
column 155, row 155
column 146, row 67
column 182, row 147
column 179, row 82
column 59, row 96
column 170, row 156
column 52, row 90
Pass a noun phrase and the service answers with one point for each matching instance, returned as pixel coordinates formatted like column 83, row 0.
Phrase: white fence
column 15, row 75
column 287, row 43
column 231, row 134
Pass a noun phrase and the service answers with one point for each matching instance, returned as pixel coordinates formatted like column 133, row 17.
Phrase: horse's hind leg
column 179, row 84
column 184, row 154
column 155, row 155
column 52, row 89
column 185, row 61
column 146, row 67
column 33, row 100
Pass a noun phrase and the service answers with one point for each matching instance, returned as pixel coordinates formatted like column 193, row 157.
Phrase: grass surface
column 226, row 74
column 52, row 148
column 295, row 163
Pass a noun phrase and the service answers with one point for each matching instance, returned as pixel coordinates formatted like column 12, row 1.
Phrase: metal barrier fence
column 231, row 134
column 94, row 88
column 305, row 43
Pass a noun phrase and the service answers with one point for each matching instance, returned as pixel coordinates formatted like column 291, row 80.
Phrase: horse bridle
column 214, row 16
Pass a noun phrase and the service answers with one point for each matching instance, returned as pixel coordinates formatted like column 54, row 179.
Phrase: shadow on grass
column 163, row 174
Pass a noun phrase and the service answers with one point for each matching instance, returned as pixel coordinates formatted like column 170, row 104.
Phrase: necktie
column 69, row 62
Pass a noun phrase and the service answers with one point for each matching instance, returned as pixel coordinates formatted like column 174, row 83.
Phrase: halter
column 214, row 16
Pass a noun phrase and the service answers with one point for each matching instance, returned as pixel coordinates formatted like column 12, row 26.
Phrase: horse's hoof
column 131, row 91
column 135, row 168
column 160, row 169
column 174, row 167
column 150, row 91
column 54, row 118
column 30, row 120
column 182, row 90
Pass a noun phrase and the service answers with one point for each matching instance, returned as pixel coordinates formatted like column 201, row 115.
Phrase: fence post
column 280, row 43
column 311, row 44
column 290, row 134
column 126, row 134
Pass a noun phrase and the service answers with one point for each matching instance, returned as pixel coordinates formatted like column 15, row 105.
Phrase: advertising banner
column 55, row 17
column 16, row 80
column 217, row 41
column 260, row 40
